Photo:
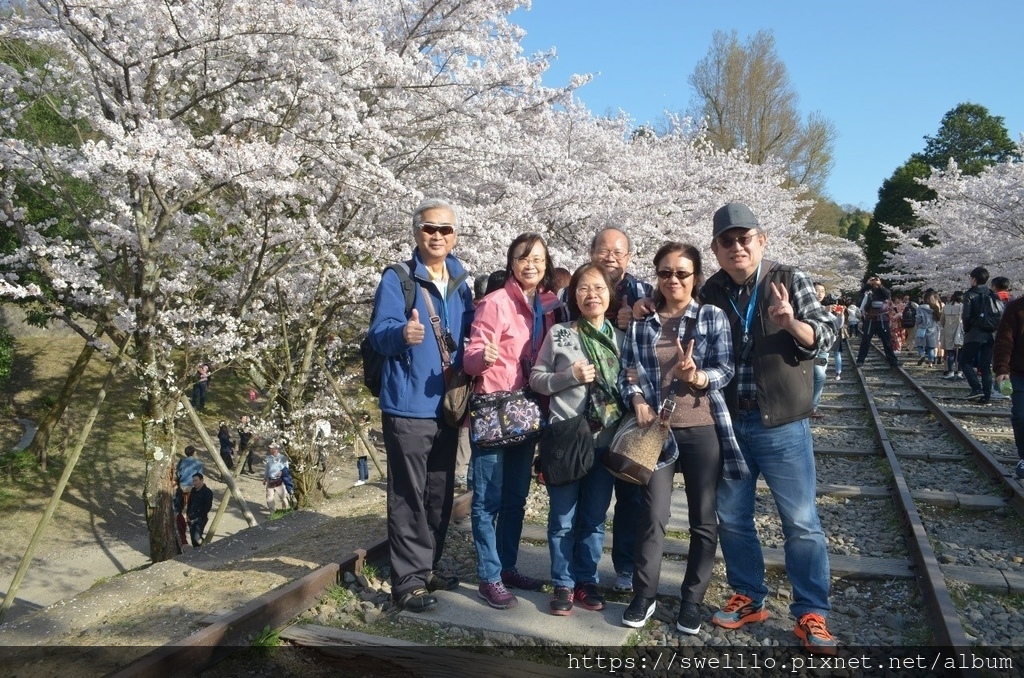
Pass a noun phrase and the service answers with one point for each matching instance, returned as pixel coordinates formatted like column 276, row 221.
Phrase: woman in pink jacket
column 508, row 328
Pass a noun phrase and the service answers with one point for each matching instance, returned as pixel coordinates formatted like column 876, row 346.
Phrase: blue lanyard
column 750, row 306
column 538, row 323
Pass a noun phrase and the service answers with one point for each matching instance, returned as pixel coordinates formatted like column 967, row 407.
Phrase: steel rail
column 986, row 461
column 945, row 620
column 195, row 653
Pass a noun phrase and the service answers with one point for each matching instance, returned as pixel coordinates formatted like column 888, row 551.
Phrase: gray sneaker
column 623, row 582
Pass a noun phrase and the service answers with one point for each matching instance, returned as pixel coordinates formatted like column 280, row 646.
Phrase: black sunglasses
column 726, row 242
column 679, row 275
column 443, row 229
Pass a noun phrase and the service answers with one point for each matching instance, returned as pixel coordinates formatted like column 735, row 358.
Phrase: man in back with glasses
column 778, row 328
column 421, row 447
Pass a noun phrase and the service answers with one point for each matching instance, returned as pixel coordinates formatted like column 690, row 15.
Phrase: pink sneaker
column 497, row 596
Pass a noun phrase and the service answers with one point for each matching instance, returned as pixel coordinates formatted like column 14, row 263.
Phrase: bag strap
column 668, row 405
column 435, row 323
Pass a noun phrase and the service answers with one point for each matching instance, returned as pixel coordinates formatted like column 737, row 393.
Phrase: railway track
column 919, row 505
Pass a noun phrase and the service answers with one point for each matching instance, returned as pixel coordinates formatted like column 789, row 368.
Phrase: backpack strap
column 404, row 271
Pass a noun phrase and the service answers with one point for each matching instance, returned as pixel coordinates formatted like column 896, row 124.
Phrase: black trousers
column 700, row 462
column 881, row 329
column 421, row 485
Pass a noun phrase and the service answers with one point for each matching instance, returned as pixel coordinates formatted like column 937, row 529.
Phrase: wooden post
column 51, row 507
column 351, row 415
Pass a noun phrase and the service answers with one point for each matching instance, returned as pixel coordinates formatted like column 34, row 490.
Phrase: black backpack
column 909, row 318
column 990, row 312
column 373, row 362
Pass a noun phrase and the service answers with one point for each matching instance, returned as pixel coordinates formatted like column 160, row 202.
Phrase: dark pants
column 229, row 460
column 199, row 396
column 881, row 329
column 952, row 358
column 363, row 468
column 625, row 519
column 182, row 526
column 977, row 355
column 421, row 483
column 196, row 530
column 1017, row 411
column 700, row 462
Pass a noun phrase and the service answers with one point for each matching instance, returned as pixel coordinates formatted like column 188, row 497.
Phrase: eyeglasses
column 726, row 241
column 443, row 229
column 584, row 291
column 605, row 252
column 678, row 275
column 536, row 261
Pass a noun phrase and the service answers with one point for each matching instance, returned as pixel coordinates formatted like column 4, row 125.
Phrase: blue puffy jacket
column 412, row 383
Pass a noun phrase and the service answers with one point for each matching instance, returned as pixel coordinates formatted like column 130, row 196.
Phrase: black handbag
column 505, row 418
column 566, row 450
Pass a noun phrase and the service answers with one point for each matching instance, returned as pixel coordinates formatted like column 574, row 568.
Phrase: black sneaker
column 984, row 401
column 639, row 611
column 688, row 620
column 588, row 597
column 419, row 600
column 975, row 395
column 561, row 601
column 439, row 582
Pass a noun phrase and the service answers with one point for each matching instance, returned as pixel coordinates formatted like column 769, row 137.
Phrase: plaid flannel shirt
column 712, row 353
column 806, row 308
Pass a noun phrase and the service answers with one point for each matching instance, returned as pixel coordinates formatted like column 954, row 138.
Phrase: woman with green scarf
column 578, row 366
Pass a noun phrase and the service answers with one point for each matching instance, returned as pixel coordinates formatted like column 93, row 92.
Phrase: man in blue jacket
column 421, row 447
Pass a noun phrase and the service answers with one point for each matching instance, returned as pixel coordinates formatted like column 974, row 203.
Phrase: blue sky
column 884, row 72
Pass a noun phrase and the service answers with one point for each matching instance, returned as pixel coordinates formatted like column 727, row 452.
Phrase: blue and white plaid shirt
column 712, row 353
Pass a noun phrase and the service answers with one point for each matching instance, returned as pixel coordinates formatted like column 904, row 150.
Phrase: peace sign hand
column 686, row 369
column 780, row 311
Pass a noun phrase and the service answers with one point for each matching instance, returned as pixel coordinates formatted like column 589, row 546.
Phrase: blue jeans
column 837, row 356
column 784, row 456
column 819, row 379
column 576, row 526
column 1017, row 411
column 501, row 481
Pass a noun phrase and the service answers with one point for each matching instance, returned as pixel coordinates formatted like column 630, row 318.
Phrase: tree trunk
column 45, row 426
column 158, row 442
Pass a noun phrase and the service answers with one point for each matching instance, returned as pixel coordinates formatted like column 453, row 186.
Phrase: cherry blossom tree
column 238, row 174
column 974, row 221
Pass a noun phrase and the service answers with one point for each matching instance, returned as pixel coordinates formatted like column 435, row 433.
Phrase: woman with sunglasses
column 508, row 328
column 578, row 367
column 680, row 358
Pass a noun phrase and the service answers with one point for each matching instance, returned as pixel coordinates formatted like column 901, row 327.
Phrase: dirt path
column 126, row 616
column 82, row 548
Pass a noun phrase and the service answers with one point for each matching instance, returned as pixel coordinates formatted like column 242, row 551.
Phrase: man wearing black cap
column 778, row 328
